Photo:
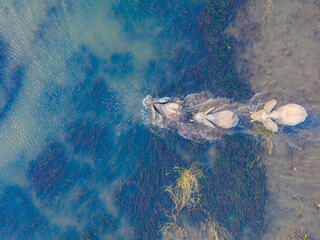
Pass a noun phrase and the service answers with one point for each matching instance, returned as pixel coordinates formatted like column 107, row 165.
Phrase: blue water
column 76, row 159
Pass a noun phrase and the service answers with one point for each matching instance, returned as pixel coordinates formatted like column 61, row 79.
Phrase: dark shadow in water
column 11, row 79
column 56, row 18
column 91, row 129
column 83, row 63
column 53, row 173
column 119, row 64
column 69, row 187
column 3, row 56
column 88, row 209
column 91, row 95
column 177, row 17
column 12, row 84
column 88, row 137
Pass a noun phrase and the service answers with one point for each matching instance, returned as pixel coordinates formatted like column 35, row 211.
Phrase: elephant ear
column 271, row 125
column 270, row 105
column 209, row 110
column 208, row 123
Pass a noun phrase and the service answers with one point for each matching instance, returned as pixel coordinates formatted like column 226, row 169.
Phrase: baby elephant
column 223, row 119
column 289, row 114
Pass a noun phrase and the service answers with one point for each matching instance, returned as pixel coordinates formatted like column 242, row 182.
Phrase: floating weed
column 299, row 236
column 257, row 161
column 208, row 231
column 294, row 236
column 269, row 6
column 185, row 194
column 213, row 230
column 268, row 134
column 317, row 205
column 299, row 210
column 172, row 231
column 186, row 191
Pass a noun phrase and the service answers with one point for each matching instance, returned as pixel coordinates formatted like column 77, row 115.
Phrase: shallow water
column 280, row 58
column 79, row 158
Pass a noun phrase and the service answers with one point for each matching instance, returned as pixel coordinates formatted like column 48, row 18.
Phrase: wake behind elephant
column 199, row 116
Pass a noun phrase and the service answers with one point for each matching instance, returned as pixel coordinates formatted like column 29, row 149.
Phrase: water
column 78, row 157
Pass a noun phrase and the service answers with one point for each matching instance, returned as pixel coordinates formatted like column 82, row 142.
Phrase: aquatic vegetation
column 141, row 195
column 207, row 230
column 19, row 218
column 185, row 192
column 268, row 134
column 269, row 6
column 299, row 209
column 172, row 231
column 88, row 137
column 221, row 62
column 119, row 64
column 232, row 196
column 52, row 173
column 12, row 75
column 299, row 236
column 239, row 185
column 316, row 205
column 213, row 230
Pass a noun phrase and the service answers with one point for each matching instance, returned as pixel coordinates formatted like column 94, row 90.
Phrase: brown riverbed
column 280, row 57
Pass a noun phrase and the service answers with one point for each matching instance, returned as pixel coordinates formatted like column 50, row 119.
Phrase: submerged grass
column 269, row 7
column 299, row 236
column 185, row 194
column 239, row 185
column 268, row 134
column 173, row 231
column 213, row 230
column 210, row 230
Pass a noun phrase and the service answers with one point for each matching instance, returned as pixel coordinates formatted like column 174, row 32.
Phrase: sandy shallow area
column 280, row 57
